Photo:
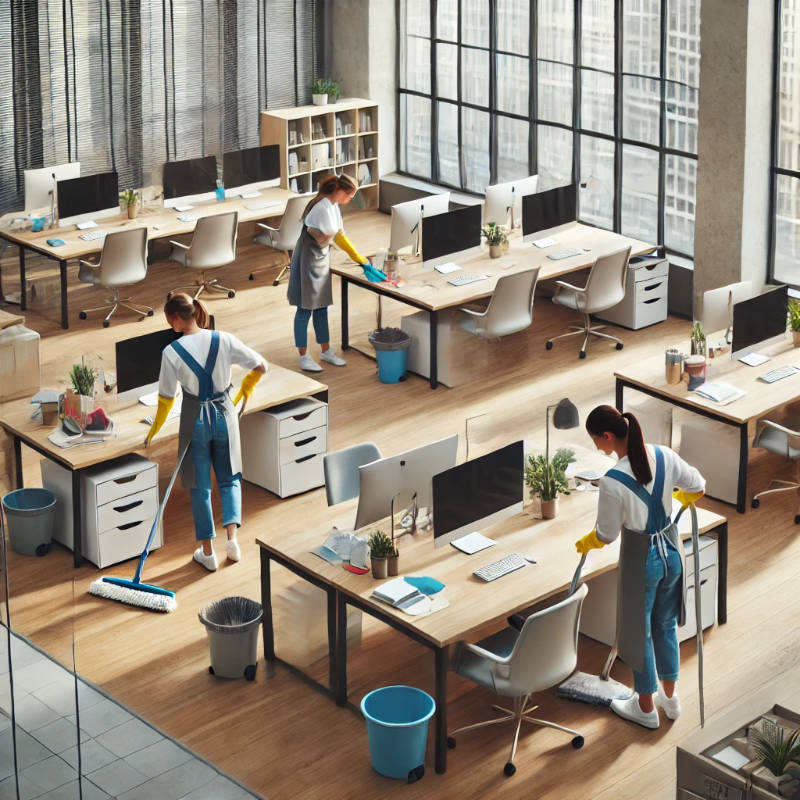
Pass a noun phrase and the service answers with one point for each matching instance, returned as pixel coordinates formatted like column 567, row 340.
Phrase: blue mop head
column 153, row 598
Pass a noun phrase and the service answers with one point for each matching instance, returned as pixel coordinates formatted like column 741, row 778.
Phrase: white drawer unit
column 645, row 301
column 283, row 447
column 119, row 501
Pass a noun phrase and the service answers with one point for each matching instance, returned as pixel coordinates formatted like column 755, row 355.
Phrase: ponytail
column 186, row 307
column 606, row 419
column 329, row 186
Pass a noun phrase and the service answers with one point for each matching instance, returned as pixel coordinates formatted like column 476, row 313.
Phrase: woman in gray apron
column 200, row 362
column 310, row 270
column 633, row 498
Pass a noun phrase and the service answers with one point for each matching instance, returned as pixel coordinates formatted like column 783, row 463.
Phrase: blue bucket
column 391, row 365
column 397, row 728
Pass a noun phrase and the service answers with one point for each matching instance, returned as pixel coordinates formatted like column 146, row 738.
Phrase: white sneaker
column 330, row 356
column 308, row 364
column 629, row 709
column 233, row 550
column 671, row 705
column 209, row 562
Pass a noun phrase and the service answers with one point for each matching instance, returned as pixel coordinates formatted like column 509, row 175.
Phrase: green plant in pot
column 333, row 90
column 549, row 479
column 129, row 198
column 776, row 748
column 698, row 340
column 380, row 548
column 496, row 237
column 80, row 401
column 793, row 319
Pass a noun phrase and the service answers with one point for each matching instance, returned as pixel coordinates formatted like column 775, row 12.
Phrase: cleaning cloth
column 425, row 584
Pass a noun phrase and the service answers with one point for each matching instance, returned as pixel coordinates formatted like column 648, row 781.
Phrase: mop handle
column 137, row 578
column 577, row 576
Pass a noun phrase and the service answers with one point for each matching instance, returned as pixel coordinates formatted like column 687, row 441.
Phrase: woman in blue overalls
column 200, row 362
column 633, row 498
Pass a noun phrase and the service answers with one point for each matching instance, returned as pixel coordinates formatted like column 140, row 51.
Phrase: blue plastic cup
column 38, row 224
column 220, row 192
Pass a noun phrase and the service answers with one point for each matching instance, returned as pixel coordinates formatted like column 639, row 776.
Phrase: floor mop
column 134, row 592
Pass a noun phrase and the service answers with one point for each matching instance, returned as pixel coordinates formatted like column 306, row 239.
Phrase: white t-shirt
column 175, row 370
column 618, row 506
column 325, row 217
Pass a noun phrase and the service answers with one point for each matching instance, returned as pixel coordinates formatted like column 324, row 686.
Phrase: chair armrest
column 488, row 654
column 91, row 264
column 178, row 244
column 267, row 227
column 565, row 285
column 473, row 312
column 768, row 423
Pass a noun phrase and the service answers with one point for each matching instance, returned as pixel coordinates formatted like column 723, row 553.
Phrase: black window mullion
column 492, row 91
column 662, row 132
column 533, row 87
column 773, row 146
column 434, row 84
column 619, row 110
column 576, row 100
column 459, row 87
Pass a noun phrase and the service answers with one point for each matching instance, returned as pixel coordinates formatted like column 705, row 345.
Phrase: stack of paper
column 397, row 593
column 719, row 392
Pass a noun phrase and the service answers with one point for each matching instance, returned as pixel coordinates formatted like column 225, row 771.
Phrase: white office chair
column 285, row 237
column 605, row 287
column 510, row 307
column 213, row 245
column 782, row 441
column 517, row 664
column 341, row 470
column 123, row 262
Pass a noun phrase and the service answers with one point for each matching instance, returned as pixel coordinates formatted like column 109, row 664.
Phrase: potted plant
column 775, row 751
column 80, row 400
column 793, row 319
column 129, row 198
column 319, row 91
column 698, row 340
column 549, row 479
column 333, row 90
column 380, row 548
column 496, row 237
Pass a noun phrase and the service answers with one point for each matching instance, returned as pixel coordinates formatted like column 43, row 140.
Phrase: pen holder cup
column 696, row 370
column 673, row 365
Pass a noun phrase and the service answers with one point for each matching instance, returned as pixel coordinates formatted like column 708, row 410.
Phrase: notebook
column 397, row 593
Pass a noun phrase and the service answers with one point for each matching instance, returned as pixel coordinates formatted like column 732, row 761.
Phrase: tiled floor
column 122, row 756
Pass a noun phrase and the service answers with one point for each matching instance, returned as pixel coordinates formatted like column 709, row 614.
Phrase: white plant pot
column 319, row 99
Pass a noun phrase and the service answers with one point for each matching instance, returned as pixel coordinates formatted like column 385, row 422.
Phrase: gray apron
column 632, row 560
column 195, row 405
column 310, row 274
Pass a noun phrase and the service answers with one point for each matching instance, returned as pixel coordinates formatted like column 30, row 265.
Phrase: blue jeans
column 663, row 588
column 301, row 317
column 210, row 448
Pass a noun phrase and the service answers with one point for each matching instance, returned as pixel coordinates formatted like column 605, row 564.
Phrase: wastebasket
column 397, row 728
column 232, row 627
column 30, row 514
column 391, row 350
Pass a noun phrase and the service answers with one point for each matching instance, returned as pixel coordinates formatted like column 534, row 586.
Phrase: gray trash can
column 232, row 627
column 30, row 514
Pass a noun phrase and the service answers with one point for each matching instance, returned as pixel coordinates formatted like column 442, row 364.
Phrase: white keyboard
column 92, row 236
column 509, row 563
column 187, row 217
column 568, row 253
column 463, row 278
column 778, row 373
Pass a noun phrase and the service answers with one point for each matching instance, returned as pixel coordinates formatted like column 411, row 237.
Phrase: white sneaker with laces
column 308, row 364
column 330, row 356
column 209, row 562
column 671, row 705
column 631, row 710
column 233, row 550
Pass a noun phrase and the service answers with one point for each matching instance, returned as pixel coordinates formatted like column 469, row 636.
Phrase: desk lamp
column 564, row 418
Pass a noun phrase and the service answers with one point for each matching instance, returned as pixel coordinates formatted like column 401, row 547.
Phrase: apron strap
column 203, row 374
column 657, row 518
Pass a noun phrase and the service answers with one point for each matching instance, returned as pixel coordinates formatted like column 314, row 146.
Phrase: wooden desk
column 160, row 223
column 759, row 399
column 428, row 290
column 279, row 386
column 473, row 604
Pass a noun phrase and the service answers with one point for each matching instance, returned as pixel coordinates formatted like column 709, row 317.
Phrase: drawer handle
column 305, row 458
column 652, row 300
column 129, row 525
column 704, row 582
column 653, row 286
column 128, row 506
column 652, row 266
column 126, row 479
column 300, row 417
column 303, row 442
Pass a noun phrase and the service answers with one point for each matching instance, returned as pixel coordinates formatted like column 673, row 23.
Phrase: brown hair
column 606, row 419
column 329, row 186
column 186, row 307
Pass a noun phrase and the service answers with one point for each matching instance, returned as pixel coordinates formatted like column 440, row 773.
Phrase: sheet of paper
column 754, row 359
column 473, row 543
column 719, row 391
column 447, row 268
column 546, row 242
column 82, row 226
column 248, row 195
column 184, row 208
column 731, row 757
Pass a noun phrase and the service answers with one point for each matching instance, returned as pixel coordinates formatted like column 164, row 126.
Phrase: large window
column 785, row 260
column 600, row 91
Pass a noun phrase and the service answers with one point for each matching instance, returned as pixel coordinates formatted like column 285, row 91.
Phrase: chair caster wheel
column 582, row 354
column 577, row 742
column 105, row 323
column 797, row 519
column 451, row 742
column 509, row 769
column 211, row 670
column 548, row 345
column 619, row 345
column 231, row 293
column 42, row 550
column 276, row 282
column 756, row 503
column 150, row 313
column 250, row 672
column 251, row 277
column 169, row 295
column 82, row 315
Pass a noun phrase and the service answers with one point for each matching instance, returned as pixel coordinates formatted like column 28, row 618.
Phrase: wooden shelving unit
column 316, row 140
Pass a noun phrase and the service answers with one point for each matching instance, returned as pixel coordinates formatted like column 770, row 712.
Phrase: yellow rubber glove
column 686, row 498
column 589, row 542
column 248, row 384
column 164, row 406
column 343, row 243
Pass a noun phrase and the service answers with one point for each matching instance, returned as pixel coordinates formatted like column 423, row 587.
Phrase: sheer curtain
column 130, row 85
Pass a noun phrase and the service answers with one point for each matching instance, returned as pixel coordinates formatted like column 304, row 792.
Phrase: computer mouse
column 55, row 242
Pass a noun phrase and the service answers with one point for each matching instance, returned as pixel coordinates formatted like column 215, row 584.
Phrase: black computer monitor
column 87, row 194
column 139, row 360
column 188, row 177
column 758, row 319
column 477, row 493
column 253, row 165
column 545, row 210
column 451, row 232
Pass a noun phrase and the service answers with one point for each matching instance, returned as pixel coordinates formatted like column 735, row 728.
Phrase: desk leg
column 442, row 659
column 22, row 293
column 332, row 651
column 722, row 573
column 345, row 314
column 340, row 691
column 77, row 519
column 741, row 499
column 434, row 345
column 18, row 462
column 267, row 625
column 64, row 314
column 618, row 398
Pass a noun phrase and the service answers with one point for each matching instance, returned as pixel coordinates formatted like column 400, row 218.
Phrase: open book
column 719, row 392
column 397, row 593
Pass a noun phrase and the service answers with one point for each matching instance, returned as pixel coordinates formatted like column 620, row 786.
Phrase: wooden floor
column 281, row 737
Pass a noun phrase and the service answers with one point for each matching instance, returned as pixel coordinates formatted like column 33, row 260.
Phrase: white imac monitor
column 717, row 313
column 406, row 216
column 40, row 183
column 411, row 471
column 503, row 203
